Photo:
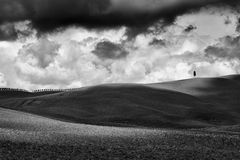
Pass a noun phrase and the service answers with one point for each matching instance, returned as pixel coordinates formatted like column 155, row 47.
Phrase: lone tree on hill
column 194, row 73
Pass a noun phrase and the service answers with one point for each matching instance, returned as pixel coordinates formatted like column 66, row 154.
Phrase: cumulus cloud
column 217, row 67
column 46, row 64
column 228, row 47
column 109, row 50
column 3, row 82
column 211, row 22
column 41, row 53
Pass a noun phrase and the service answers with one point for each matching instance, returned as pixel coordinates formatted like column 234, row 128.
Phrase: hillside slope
column 28, row 136
column 193, row 103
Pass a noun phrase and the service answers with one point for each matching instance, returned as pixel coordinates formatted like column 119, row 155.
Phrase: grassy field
column 188, row 119
column 26, row 136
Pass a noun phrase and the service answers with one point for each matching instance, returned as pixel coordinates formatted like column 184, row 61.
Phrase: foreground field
column 26, row 136
column 171, row 146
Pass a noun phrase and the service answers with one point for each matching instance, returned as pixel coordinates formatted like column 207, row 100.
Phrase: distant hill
column 192, row 103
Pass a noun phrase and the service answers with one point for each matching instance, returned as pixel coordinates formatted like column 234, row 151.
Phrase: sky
column 76, row 43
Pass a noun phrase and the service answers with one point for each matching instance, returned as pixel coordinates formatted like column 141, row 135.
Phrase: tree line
column 13, row 89
column 36, row 91
column 53, row 90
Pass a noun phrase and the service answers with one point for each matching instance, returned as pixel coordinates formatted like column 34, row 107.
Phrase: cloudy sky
column 75, row 43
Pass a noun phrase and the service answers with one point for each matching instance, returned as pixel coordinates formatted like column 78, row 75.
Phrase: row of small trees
column 36, row 91
column 13, row 89
column 47, row 90
column 53, row 90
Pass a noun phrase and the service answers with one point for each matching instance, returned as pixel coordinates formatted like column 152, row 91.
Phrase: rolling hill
column 192, row 103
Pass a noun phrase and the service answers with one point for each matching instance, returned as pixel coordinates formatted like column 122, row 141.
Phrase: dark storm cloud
column 238, row 26
column 190, row 28
column 47, row 15
column 227, row 21
column 109, row 50
column 228, row 47
column 158, row 42
column 132, row 32
column 8, row 32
